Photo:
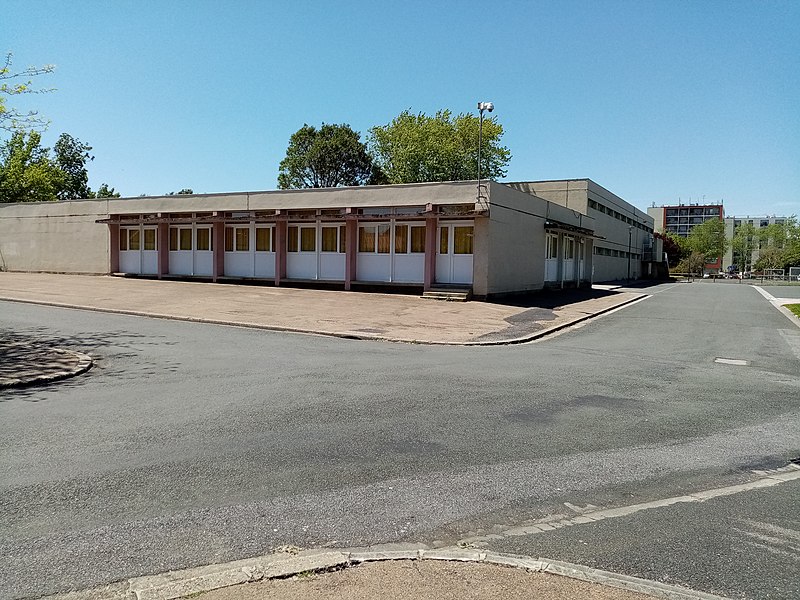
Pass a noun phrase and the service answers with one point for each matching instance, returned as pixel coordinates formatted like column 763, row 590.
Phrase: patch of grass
column 795, row 308
column 305, row 575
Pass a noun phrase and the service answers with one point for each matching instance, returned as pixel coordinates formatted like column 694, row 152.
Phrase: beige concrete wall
column 569, row 193
column 417, row 194
column 515, row 258
column 54, row 236
column 64, row 237
column 612, row 233
column 657, row 214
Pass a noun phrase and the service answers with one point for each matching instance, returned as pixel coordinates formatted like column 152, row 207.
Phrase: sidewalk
column 358, row 315
column 391, row 572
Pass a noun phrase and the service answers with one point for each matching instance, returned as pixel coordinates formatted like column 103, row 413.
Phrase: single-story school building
column 514, row 238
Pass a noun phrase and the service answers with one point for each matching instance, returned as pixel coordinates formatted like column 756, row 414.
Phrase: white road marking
column 731, row 361
column 767, row 478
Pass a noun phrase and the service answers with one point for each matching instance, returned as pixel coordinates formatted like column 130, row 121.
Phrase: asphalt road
column 190, row 444
column 740, row 546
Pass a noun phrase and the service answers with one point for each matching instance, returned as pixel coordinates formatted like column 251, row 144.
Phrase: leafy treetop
column 14, row 83
column 330, row 156
column 417, row 148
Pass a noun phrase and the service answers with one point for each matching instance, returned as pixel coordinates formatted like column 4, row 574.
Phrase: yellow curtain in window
column 366, row 239
column 329, row 239
column 401, row 239
column 384, row 239
column 308, row 239
column 417, row 239
column 462, row 240
column 149, row 239
column 263, row 239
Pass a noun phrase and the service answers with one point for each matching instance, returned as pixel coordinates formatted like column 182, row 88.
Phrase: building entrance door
column 454, row 253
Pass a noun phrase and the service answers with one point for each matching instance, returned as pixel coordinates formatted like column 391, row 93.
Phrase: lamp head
column 485, row 106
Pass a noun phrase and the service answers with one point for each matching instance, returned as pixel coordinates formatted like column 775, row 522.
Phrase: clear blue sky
column 656, row 101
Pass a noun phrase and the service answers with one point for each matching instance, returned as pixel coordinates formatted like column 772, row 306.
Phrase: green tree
column 708, row 239
column 676, row 247
column 183, row 192
column 743, row 243
column 417, row 148
column 769, row 258
column 15, row 83
column 791, row 255
column 330, row 156
column 693, row 263
column 27, row 173
column 71, row 156
column 106, row 192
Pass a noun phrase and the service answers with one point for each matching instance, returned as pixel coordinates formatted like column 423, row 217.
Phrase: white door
column 551, row 257
column 333, row 248
column 264, row 258
column 569, row 258
column 581, row 259
column 203, row 251
column 408, row 252
column 374, row 262
column 130, row 250
column 454, row 253
column 239, row 255
column 301, row 251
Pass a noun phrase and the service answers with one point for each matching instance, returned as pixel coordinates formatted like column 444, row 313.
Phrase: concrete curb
column 179, row 584
column 348, row 336
column 84, row 363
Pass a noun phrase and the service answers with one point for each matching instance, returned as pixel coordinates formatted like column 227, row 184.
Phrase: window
column 150, row 239
column 409, row 238
column 292, row 238
column 417, row 238
column 552, row 246
column 462, row 240
column 308, row 239
column 264, row 239
column 123, row 240
column 133, row 239
column 237, row 239
column 203, row 238
column 401, row 239
column 384, row 239
column 444, row 242
column 242, row 239
column 569, row 248
column 764, row 223
column 366, row 238
column 185, row 238
column 333, row 238
column 329, row 235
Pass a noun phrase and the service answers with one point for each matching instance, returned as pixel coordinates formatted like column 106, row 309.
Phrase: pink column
column 351, row 258
column 430, row 252
column 163, row 249
column 113, row 230
column 218, row 262
column 281, row 229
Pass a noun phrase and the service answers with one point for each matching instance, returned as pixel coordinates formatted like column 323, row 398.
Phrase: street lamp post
column 630, row 232
column 482, row 106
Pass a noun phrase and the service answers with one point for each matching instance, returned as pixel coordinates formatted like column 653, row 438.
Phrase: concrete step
column 450, row 295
